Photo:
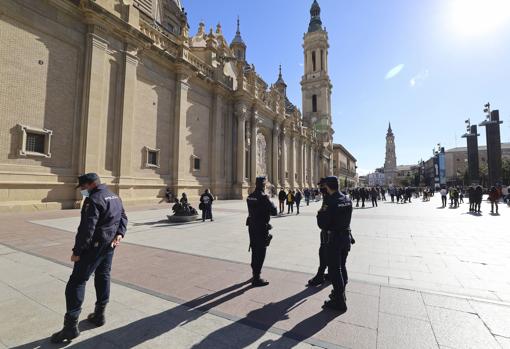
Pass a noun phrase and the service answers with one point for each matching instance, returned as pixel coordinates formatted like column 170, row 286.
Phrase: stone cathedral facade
column 122, row 88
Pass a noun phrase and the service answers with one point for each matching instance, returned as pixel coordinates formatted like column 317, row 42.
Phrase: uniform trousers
column 338, row 247
column 98, row 260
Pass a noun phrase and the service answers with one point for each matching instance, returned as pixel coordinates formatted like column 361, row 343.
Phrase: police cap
column 260, row 180
column 330, row 180
column 87, row 178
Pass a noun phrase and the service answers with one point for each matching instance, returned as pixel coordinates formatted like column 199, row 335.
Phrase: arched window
column 314, row 103
column 314, row 61
column 322, row 59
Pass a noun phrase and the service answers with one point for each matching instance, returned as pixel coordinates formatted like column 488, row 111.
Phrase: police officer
column 320, row 278
column 334, row 217
column 260, row 208
column 102, row 227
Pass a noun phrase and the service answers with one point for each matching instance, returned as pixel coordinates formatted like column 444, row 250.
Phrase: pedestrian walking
column 297, row 198
column 373, row 197
column 444, row 193
column 494, row 197
column 307, row 196
column 102, row 226
column 282, row 196
column 206, row 201
column 290, row 201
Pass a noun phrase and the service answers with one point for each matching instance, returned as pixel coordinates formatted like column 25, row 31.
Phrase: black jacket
column 211, row 199
column 335, row 214
column 102, row 217
column 260, row 209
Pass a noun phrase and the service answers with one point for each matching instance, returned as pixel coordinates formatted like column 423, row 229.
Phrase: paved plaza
column 420, row 277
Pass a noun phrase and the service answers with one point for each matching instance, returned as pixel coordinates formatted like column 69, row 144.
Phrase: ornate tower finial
column 280, row 81
column 315, row 20
column 238, row 44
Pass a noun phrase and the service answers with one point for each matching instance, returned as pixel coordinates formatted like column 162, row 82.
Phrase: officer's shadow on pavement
column 165, row 223
column 148, row 328
column 268, row 316
column 145, row 329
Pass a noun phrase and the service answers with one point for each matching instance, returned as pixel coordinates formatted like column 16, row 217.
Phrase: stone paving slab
column 165, row 297
column 411, row 245
column 134, row 318
column 378, row 317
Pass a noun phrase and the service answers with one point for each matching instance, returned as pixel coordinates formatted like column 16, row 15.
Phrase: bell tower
column 390, row 162
column 315, row 84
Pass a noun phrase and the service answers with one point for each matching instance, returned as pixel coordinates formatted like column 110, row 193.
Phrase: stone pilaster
column 179, row 167
column 292, row 155
column 241, row 125
column 253, row 148
column 128, row 108
column 276, row 137
column 300, row 162
column 283, row 158
column 215, row 151
column 309, row 165
column 92, row 108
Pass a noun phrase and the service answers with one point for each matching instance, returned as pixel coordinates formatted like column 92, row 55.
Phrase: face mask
column 85, row 193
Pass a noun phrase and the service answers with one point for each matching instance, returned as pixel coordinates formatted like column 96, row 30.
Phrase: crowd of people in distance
column 291, row 198
column 474, row 194
column 399, row 195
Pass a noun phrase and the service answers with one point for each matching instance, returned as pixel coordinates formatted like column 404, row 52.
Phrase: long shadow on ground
column 232, row 335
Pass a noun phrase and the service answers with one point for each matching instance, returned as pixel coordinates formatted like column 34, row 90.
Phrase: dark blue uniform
column 334, row 218
column 260, row 210
column 102, row 218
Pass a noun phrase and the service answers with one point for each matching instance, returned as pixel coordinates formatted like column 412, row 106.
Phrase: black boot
column 258, row 282
column 68, row 333
column 97, row 317
column 317, row 280
column 338, row 304
column 332, row 296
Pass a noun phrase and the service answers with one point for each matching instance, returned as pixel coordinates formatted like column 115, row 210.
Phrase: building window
column 314, row 62
column 322, row 59
column 286, row 175
column 151, row 157
column 35, row 141
column 314, row 103
column 195, row 163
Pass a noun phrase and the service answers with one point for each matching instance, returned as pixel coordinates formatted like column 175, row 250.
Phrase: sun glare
column 479, row 17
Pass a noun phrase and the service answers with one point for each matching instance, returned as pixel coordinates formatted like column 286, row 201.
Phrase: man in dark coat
column 103, row 225
column 206, row 200
column 282, row 196
column 260, row 210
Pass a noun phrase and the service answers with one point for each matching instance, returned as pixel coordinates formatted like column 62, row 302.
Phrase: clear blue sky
column 454, row 57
